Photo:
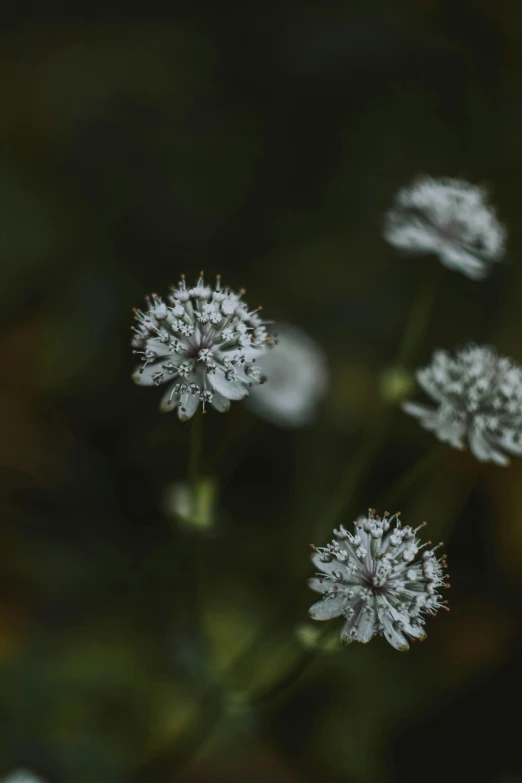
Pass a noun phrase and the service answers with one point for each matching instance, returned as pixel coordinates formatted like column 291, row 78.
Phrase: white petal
column 417, row 410
column 507, row 442
column 163, row 350
column 188, row 406
column 449, row 431
column 410, row 236
column 483, row 450
column 395, row 637
column 388, row 617
column 328, row 608
column 426, row 382
column 417, row 631
column 464, row 262
column 365, row 623
column 167, row 398
column 318, row 584
column 330, row 567
column 318, row 563
column 220, row 403
column 346, row 635
column 143, row 376
column 446, row 430
column 231, row 390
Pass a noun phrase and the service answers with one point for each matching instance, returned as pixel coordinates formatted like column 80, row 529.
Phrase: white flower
column 203, row 343
column 22, row 776
column 448, row 217
column 298, row 375
column 377, row 581
column 478, row 397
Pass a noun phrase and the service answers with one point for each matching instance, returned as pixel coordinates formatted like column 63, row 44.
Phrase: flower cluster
column 203, row 343
column 451, row 218
column 478, row 397
column 377, row 581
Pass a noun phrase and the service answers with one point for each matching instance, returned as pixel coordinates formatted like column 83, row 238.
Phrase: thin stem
column 418, row 320
column 353, row 474
column 410, row 476
column 194, row 543
column 356, row 468
column 195, row 451
column 305, row 660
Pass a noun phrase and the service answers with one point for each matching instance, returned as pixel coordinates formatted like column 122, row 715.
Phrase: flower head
column 377, row 581
column 203, row 343
column 448, row 217
column 478, row 397
column 298, row 375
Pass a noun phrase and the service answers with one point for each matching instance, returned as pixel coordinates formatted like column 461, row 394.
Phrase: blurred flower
column 193, row 507
column 298, row 376
column 448, row 217
column 374, row 581
column 204, row 343
column 22, row 776
column 478, row 395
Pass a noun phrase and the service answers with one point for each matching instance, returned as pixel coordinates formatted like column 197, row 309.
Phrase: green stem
column 194, row 543
column 407, row 479
column 353, row 474
column 196, row 447
column 305, row 660
column 356, row 468
column 418, row 320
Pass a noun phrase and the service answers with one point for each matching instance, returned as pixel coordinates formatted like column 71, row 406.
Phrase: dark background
column 264, row 143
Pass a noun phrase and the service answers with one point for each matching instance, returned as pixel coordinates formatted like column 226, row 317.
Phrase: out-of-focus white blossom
column 451, row 218
column 298, row 375
column 22, row 776
column 378, row 580
column 478, row 399
column 203, row 343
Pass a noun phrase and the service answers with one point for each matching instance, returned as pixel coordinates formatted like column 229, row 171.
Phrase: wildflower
column 298, row 375
column 377, row 581
column 203, row 343
column 478, row 398
column 450, row 218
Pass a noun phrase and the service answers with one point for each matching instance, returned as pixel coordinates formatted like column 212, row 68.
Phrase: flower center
column 203, row 342
column 378, row 584
column 450, row 232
